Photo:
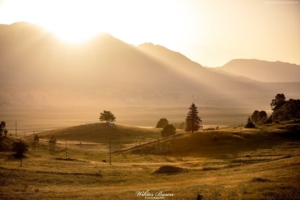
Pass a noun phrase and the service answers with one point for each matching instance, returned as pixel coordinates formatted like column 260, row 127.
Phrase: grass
column 214, row 169
column 102, row 133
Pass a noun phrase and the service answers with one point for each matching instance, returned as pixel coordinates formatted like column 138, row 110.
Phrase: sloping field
column 261, row 163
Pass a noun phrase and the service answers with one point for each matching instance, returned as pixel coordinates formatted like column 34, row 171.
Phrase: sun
column 75, row 21
column 73, row 33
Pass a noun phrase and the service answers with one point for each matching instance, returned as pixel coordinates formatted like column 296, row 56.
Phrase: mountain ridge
column 40, row 69
column 264, row 71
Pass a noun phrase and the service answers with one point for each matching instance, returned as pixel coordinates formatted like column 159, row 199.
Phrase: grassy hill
column 199, row 163
column 102, row 133
column 226, row 141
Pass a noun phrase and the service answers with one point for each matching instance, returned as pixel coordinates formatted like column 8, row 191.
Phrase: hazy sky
column 210, row 32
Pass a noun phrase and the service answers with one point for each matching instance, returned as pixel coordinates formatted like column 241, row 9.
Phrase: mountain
column 263, row 71
column 240, row 78
column 39, row 69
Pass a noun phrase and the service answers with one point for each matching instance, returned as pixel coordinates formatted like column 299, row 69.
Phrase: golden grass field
column 229, row 163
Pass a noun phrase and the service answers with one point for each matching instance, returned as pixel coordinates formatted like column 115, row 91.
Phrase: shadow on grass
column 202, row 144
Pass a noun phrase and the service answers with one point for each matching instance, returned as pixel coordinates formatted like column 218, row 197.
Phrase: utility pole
column 21, row 155
column 16, row 129
column 66, row 149
column 110, row 151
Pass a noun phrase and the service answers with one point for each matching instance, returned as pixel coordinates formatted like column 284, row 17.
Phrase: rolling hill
column 102, row 133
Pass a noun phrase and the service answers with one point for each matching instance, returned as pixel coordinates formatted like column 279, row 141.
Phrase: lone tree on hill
column 277, row 102
column 168, row 130
column 162, row 123
column 193, row 121
column 107, row 116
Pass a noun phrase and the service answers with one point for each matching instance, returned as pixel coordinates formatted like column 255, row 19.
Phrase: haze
column 209, row 32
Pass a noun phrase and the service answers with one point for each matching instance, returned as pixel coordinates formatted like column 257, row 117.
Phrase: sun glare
column 73, row 33
column 132, row 21
column 73, row 21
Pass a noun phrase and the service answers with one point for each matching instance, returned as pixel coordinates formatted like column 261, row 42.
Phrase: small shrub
column 169, row 170
column 209, row 129
column 52, row 140
column 215, row 138
column 20, row 148
column 249, row 124
column 36, row 138
column 258, row 179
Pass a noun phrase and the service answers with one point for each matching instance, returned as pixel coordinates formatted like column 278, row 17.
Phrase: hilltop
column 231, row 140
column 102, row 133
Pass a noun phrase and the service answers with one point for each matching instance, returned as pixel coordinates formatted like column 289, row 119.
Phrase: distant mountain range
column 262, row 70
column 39, row 69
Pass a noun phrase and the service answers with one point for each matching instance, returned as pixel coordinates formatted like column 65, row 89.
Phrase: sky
column 210, row 32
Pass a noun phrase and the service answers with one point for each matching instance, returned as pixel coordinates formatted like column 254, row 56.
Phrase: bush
column 52, row 140
column 168, row 130
column 249, row 124
column 36, row 138
column 179, row 125
column 169, row 170
column 215, row 138
column 20, row 148
column 209, row 129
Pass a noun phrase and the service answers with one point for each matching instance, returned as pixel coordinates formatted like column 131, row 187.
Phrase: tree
column 277, row 102
column 179, row 125
column 162, row 123
column 255, row 117
column 107, row 116
column 2, row 128
column 168, row 130
column 193, row 121
column 263, row 117
column 259, row 117
column 20, row 148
